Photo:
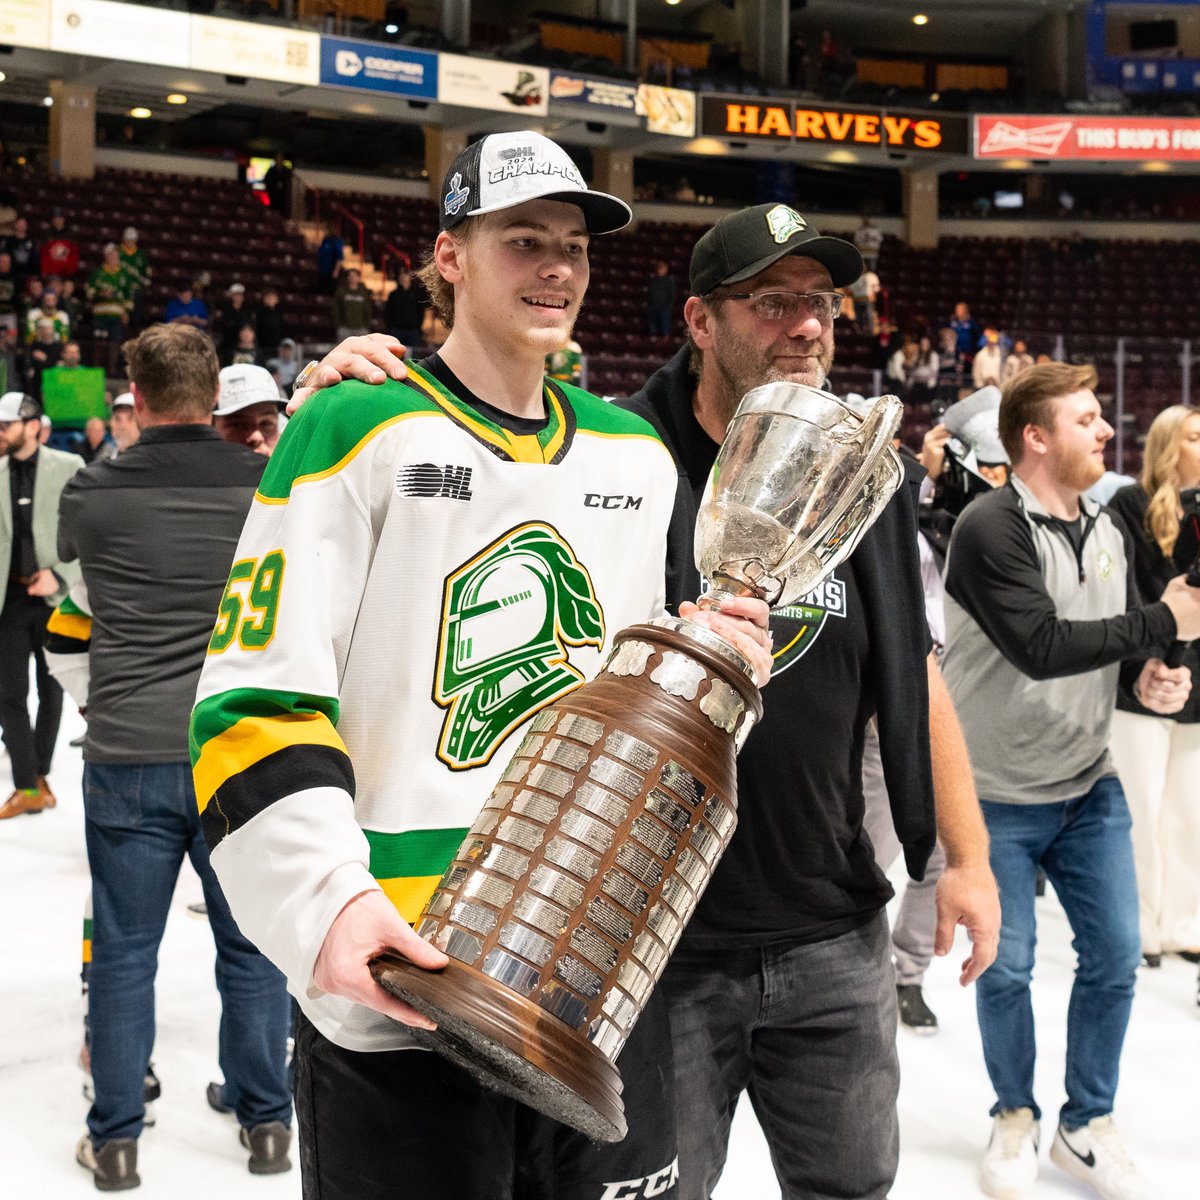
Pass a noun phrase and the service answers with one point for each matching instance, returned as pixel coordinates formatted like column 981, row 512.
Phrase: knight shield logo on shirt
column 783, row 222
column 456, row 197
column 795, row 627
column 508, row 615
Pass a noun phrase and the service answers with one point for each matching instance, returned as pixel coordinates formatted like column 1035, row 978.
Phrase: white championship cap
column 17, row 406
column 244, row 384
column 124, row 400
column 503, row 170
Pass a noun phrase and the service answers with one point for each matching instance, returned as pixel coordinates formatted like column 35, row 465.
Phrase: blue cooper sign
column 378, row 68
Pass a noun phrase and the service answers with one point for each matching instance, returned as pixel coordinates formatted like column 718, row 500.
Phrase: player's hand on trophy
column 371, row 358
column 368, row 925
column 1184, row 603
column 741, row 620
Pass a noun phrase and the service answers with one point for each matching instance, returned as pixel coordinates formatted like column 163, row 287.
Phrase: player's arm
column 273, row 779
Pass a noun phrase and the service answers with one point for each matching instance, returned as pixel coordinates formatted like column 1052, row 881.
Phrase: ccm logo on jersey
column 425, row 480
column 596, row 500
column 651, row 1185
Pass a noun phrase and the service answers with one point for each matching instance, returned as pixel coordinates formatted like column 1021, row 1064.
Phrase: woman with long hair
column 1158, row 758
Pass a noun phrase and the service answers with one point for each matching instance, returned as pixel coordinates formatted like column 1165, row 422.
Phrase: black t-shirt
column 800, row 801
column 22, row 479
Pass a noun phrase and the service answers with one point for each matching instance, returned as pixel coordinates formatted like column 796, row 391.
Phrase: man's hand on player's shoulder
column 372, row 358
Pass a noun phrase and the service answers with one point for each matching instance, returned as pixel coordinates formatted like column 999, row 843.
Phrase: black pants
column 409, row 1125
column 22, row 633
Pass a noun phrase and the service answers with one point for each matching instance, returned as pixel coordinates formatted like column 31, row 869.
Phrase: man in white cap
column 123, row 423
column 375, row 498
column 32, row 478
column 248, row 408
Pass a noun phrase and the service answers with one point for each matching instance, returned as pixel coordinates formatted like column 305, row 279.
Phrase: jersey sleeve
column 273, row 779
column 68, row 644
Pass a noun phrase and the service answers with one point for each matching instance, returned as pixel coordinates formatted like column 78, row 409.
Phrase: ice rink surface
column 192, row 1153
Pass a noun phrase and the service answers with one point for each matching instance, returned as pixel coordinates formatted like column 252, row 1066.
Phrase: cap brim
column 602, row 213
column 840, row 258
column 238, row 405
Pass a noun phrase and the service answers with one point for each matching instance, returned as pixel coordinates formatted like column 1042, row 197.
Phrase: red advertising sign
column 1099, row 139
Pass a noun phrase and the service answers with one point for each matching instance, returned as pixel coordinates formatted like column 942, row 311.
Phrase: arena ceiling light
column 920, row 19
column 140, row 112
column 3, row 77
column 177, row 98
column 48, row 101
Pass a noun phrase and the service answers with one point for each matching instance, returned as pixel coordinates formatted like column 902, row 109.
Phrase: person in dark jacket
column 404, row 309
column 660, row 301
column 1158, row 757
column 793, row 924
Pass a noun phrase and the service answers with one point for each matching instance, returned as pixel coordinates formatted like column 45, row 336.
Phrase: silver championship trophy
column 576, row 880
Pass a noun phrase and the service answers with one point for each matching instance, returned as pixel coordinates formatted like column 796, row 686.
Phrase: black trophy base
column 510, row 1045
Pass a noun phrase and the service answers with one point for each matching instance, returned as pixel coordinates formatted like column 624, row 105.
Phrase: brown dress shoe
column 21, row 802
column 45, row 794
column 113, row 1166
column 268, row 1145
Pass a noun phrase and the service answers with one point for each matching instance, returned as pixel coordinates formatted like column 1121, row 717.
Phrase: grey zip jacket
column 1036, row 630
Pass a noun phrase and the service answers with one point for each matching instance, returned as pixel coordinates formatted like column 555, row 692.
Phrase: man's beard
column 741, row 368
column 1080, row 472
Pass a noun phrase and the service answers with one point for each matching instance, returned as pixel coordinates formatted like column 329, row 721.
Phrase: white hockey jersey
column 413, row 583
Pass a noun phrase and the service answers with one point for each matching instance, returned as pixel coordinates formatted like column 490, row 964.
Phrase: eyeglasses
column 783, row 306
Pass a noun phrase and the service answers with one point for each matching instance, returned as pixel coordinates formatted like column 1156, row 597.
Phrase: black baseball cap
column 503, row 170
column 740, row 245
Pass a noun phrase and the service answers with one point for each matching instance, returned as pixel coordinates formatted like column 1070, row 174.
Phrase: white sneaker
column 1010, row 1165
column 1096, row 1155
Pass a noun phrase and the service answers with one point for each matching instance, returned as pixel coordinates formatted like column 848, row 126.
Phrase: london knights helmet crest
column 508, row 615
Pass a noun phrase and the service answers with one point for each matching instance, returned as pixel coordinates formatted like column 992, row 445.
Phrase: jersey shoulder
column 334, row 425
column 594, row 415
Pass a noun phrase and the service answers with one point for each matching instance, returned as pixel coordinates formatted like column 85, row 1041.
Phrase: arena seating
column 1042, row 290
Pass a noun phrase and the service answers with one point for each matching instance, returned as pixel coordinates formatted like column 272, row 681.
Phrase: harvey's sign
column 746, row 118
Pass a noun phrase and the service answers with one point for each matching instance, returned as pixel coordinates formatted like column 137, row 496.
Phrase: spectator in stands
column 12, row 366
column 865, row 290
column 97, row 445
column 404, row 309
column 248, row 408
column 137, row 267
column 329, row 261
column 949, row 364
column 31, row 294
column 68, row 301
column 660, row 301
column 123, row 422
column 1034, row 649
column 868, row 239
column 60, row 252
column 186, row 308
column 352, row 306
column 72, row 356
column 684, row 192
column 922, row 377
column 1158, row 757
column 901, row 363
column 48, row 310
column 285, row 366
column 277, row 183
column 32, row 478
column 988, row 365
column 246, row 350
column 966, row 332
column 44, row 351
column 10, row 292
column 234, row 316
column 23, row 250
column 270, row 327
column 1018, row 359
column 108, row 292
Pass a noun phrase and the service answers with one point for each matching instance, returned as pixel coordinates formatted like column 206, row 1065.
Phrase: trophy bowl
column 575, row 882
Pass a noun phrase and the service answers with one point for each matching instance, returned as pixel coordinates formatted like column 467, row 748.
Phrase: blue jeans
column 141, row 819
column 808, row 1030
column 1085, row 849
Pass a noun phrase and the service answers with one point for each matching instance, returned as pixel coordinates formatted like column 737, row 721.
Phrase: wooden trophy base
column 510, row 1045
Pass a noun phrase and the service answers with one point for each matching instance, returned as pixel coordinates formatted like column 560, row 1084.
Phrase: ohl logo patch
column 508, row 615
column 797, row 626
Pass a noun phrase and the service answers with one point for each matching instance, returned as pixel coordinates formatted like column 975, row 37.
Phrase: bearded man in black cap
column 783, row 984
